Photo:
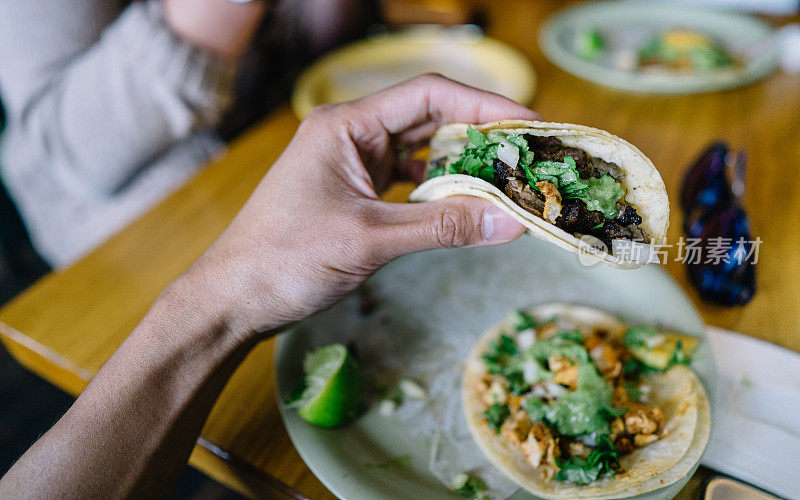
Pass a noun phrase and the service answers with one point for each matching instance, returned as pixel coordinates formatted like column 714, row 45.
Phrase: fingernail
column 499, row 226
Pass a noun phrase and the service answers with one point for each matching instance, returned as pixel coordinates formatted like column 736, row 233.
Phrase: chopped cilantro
column 638, row 335
column 680, row 357
column 603, row 458
column 577, row 470
column 634, row 368
column 500, row 354
column 633, row 391
column 469, row 485
column 475, row 137
column 516, row 381
column 650, row 50
column 395, row 395
column 503, row 358
column 573, row 335
column 589, row 44
column 496, row 415
column 477, row 159
column 522, row 320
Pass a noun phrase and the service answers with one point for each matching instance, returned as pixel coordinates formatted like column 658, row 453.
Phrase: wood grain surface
column 68, row 324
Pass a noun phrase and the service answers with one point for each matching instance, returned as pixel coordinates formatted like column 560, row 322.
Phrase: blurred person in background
column 112, row 105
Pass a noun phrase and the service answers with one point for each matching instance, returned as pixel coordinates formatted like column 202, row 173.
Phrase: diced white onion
column 459, row 481
column 654, row 341
column 387, row 407
column 498, row 392
column 555, row 390
column 525, row 339
column 530, row 371
column 411, row 389
column 508, row 153
column 625, row 59
column 645, row 390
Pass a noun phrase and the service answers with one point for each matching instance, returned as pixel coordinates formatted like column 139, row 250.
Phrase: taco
column 569, row 402
column 580, row 188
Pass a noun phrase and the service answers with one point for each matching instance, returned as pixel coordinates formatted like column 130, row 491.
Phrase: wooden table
column 66, row 326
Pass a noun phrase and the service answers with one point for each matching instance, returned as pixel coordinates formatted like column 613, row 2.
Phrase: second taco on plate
column 569, row 402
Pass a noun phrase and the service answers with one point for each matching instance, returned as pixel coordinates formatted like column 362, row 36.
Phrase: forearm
column 217, row 25
column 132, row 429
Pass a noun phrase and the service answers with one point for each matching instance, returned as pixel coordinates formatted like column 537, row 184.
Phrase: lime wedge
column 333, row 390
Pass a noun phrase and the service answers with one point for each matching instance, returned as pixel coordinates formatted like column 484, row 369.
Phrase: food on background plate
column 563, row 182
column 589, row 44
column 571, row 403
column 673, row 50
column 331, row 391
column 685, row 51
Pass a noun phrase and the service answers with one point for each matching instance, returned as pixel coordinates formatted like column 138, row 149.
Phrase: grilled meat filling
column 575, row 217
column 551, row 148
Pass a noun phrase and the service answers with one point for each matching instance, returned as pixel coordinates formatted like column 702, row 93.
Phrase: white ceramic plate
column 429, row 309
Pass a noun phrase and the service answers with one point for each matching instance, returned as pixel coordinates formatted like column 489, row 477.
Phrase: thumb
column 458, row 221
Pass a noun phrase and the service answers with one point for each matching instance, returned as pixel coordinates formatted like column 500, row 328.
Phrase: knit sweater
column 107, row 113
